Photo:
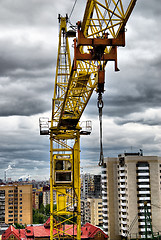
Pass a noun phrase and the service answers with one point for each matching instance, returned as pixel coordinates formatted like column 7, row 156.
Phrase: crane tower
column 95, row 43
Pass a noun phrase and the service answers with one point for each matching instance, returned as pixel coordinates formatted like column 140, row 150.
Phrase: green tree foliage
column 42, row 214
column 19, row 226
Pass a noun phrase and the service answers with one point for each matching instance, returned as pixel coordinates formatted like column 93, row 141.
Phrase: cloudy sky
column 28, row 51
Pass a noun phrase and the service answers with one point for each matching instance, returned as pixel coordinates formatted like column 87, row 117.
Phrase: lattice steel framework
column 98, row 36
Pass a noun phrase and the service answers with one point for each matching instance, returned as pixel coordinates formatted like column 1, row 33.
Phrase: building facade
column 96, row 211
column 91, row 211
column 18, row 203
column 133, row 192
column 46, row 195
column 2, row 206
column 91, row 186
column 85, row 212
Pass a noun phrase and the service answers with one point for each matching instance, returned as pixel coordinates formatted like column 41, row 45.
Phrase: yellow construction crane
column 95, row 43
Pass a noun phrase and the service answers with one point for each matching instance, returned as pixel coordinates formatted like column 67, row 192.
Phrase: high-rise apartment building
column 18, row 203
column 95, row 211
column 2, row 206
column 91, row 186
column 85, row 212
column 46, row 195
column 97, row 186
column 87, row 185
column 132, row 182
column 91, row 211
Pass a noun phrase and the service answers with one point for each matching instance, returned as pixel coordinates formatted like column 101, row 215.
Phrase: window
column 20, row 207
column 10, row 215
column 10, row 211
column 20, row 195
column 20, row 203
column 10, row 191
column 10, row 220
column 20, row 215
column 20, row 190
column 21, row 211
column 10, row 207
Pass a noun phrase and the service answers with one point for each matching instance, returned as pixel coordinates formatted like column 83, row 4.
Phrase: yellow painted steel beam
column 101, row 31
column 83, row 76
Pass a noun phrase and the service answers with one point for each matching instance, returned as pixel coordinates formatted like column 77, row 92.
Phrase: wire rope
column 72, row 9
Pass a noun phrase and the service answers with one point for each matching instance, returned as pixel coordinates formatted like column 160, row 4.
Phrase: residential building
column 133, row 190
column 88, row 231
column 37, row 197
column 95, row 205
column 91, row 211
column 87, row 185
column 18, row 203
column 97, row 186
column 2, row 206
column 46, row 195
column 85, row 212
column 90, row 186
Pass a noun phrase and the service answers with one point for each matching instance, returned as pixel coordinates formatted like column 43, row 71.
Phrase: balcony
column 104, row 198
column 105, row 221
column 144, row 198
column 121, row 168
column 123, row 186
column 143, row 180
column 124, row 228
column 104, row 192
column 143, row 168
column 123, row 222
column 123, row 204
column 144, row 186
column 123, row 198
column 104, row 180
column 144, row 192
column 123, row 216
column 123, row 210
column 123, row 192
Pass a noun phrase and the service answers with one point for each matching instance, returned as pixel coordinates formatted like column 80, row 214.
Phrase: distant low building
column 88, row 231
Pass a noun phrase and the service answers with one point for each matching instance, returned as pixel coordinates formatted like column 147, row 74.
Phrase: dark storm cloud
column 26, row 77
column 23, row 150
column 28, row 52
column 14, row 56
